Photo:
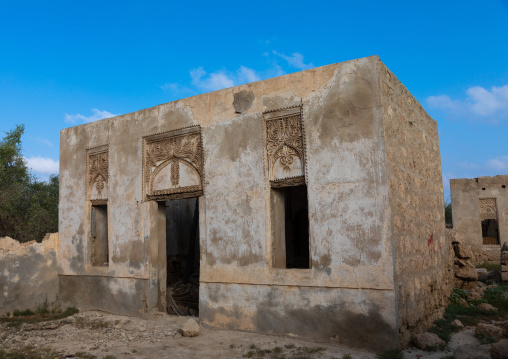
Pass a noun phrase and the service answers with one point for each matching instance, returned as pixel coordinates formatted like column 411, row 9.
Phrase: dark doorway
column 490, row 231
column 182, row 255
column 290, row 227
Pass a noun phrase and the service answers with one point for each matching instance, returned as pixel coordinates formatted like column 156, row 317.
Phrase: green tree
column 448, row 213
column 28, row 207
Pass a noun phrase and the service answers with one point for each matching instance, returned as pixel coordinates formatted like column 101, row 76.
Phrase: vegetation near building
column 28, row 207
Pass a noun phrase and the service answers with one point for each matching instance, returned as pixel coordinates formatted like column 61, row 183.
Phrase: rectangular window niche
column 99, row 236
column 290, row 227
column 489, row 221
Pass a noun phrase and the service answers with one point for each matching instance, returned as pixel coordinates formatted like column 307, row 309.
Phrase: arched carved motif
column 174, row 149
column 284, row 145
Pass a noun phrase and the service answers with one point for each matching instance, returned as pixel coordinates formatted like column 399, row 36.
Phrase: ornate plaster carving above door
column 173, row 164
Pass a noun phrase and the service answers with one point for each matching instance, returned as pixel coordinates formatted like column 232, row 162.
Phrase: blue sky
column 64, row 63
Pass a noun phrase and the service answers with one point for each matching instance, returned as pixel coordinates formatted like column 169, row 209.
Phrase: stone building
column 309, row 204
column 480, row 214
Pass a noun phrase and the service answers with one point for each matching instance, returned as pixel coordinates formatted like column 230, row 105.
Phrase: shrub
column 28, row 207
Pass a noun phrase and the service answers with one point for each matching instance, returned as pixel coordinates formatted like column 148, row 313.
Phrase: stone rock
column 467, row 272
column 475, row 295
column 428, row 340
column 504, row 257
column 7, row 244
column 471, row 352
column 504, row 276
column 190, row 328
column 452, row 236
column 504, row 325
column 499, row 350
column 486, row 306
column 463, row 302
column 493, row 277
column 488, row 330
column 481, row 270
column 130, row 327
column 469, row 286
column 483, row 276
column 458, row 323
column 460, row 262
column 463, row 251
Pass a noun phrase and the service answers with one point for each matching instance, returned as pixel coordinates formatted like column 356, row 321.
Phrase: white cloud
column 45, row 141
column 486, row 103
column 246, row 75
column 491, row 167
column 211, row 82
column 295, row 60
column 443, row 101
column 479, row 104
column 42, row 165
column 222, row 79
column 202, row 81
column 499, row 163
column 96, row 115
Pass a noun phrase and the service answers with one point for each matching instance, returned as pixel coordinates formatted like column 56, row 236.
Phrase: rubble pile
column 465, row 271
column 183, row 298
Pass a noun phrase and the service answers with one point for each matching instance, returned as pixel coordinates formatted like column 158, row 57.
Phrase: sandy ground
column 100, row 334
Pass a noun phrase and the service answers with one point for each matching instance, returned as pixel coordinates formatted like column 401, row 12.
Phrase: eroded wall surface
column 350, row 173
column 466, row 194
column 360, row 318
column 28, row 273
column 423, row 272
column 350, row 245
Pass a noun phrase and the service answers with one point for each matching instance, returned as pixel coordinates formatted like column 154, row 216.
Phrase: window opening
column 290, row 227
column 490, row 231
column 489, row 220
column 100, row 247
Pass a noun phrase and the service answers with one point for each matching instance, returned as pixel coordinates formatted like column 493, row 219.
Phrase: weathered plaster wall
column 347, row 193
column 125, row 296
column 350, row 178
column 465, row 195
column 348, row 316
column 28, row 273
column 423, row 272
column 350, row 243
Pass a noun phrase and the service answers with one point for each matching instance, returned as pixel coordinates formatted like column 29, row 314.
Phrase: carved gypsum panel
column 173, row 163
column 488, row 208
column 288, row 182
column 284, row 144
column 169, row 196
column 97, row 173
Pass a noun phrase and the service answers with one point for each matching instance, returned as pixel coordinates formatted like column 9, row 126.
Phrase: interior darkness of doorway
column 182, row 254
column 490, row 231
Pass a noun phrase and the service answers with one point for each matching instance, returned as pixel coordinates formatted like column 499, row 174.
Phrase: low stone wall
column 28, row 273
column 486, row 254
column 504, row 263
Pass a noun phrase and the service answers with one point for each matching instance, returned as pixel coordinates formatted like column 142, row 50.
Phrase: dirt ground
column 96, row 334
column 100, row 334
